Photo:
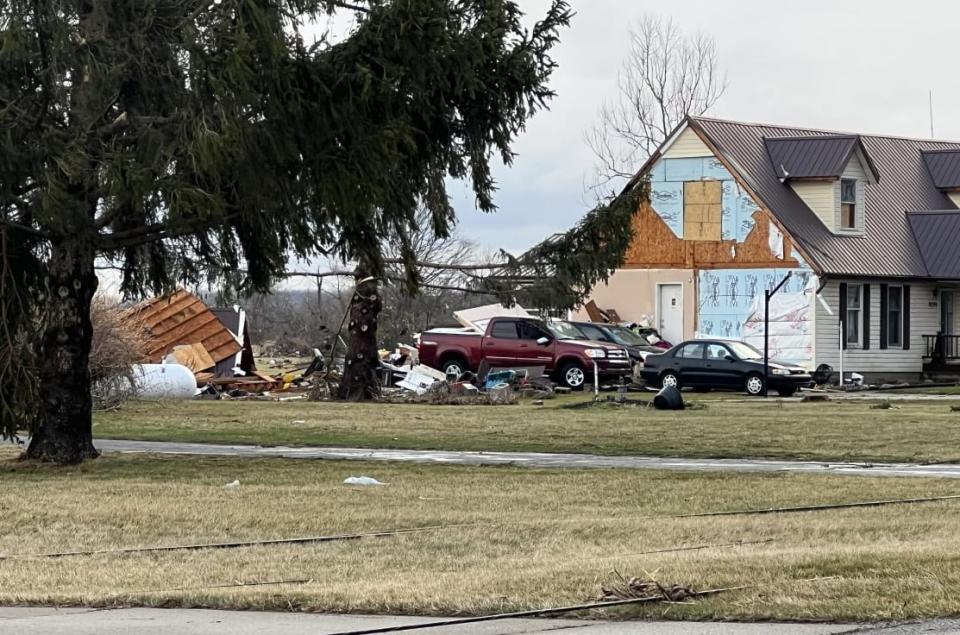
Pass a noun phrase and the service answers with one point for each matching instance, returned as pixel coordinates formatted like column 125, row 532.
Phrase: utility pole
column 767, row 294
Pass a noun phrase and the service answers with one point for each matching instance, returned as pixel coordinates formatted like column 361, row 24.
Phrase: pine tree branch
column 24, row 228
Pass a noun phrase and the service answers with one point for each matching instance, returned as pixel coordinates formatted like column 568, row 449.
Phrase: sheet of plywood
column 193, row 356
column 479, row 317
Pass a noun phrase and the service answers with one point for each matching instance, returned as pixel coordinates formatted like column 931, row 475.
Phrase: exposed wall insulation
column 726, row 296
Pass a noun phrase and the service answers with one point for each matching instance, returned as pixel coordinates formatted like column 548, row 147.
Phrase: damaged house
column 867, row 226
column 182, row 329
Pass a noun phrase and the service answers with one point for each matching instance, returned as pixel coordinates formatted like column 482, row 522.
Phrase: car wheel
column 754, row 385
column 454, row 367
column 787, row 391
column 670, row 378
column 573, row 376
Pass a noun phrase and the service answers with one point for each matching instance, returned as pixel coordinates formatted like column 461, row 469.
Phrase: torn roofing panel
column 944, row 167
column 937, row 235
column 182, row 318
column 810, row 156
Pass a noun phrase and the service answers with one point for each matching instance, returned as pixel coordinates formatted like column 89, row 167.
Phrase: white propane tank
column 164, row 381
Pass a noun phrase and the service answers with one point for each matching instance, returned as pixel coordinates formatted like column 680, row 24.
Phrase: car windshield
column 626, row 337
column 565, row 331
column 744, row 351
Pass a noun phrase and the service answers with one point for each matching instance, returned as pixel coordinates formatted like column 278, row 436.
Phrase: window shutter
column 883, row 316
column 865, row 312
column 906, row 317
column 843, row 315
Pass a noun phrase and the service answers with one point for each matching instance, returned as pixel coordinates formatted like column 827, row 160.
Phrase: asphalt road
column 534, row 459
column 146, row 621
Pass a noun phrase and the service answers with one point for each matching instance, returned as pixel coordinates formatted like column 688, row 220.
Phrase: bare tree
column 667, row 75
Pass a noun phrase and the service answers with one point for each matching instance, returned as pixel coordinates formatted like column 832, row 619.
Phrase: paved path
column 534, row 459
column 144, row 621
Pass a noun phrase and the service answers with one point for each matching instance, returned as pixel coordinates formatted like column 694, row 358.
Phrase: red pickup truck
column 518, row 341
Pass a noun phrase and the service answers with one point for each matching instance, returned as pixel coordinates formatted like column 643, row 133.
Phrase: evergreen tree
column 177, row 137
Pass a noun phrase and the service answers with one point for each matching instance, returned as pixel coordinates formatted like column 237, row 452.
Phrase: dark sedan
column 721, row 365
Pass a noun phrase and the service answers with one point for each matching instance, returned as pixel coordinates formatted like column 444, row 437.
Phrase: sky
column 853, row 66
column 848, row 65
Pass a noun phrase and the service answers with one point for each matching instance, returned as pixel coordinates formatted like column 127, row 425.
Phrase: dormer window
column 830, row 173
column 848, row 204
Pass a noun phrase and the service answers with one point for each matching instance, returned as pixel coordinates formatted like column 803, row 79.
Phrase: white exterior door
column 670, row 312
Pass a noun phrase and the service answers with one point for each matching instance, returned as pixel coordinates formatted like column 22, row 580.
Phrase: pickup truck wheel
column 454, row 367
column 573, row 376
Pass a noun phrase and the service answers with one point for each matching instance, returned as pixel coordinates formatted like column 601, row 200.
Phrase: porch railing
column 942, row 347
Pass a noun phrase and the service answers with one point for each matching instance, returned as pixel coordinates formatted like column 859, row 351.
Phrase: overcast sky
column 854, row 65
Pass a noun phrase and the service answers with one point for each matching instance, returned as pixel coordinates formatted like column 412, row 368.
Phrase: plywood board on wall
column 655, row 246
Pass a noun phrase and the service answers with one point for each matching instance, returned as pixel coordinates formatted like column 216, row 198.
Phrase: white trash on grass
column 233, row 484
column 361, row 480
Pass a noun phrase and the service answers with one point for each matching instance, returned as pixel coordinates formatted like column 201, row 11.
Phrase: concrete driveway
column 145, row 621
column 533, row 459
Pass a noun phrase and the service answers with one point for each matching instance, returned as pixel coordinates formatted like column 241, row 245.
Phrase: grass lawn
column 542, row 538
column 829, row 431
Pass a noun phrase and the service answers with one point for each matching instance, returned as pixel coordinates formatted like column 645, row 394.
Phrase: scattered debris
column 234, row 483
column 421, row 378
column 361, row 480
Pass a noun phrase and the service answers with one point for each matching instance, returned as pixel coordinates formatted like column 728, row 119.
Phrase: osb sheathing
column 655, row 246
column 182, row 318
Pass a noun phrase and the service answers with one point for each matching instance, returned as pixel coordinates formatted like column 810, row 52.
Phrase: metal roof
column 944, row 167
column 938, row 235
column 887, row 247
column 810, row 156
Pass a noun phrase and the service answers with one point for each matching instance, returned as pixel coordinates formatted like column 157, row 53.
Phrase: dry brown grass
column 542, row 538
column 831, row 431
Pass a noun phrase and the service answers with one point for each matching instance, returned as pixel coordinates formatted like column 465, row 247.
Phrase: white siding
column 924, row 320
column 688, row 144
column 821, row 197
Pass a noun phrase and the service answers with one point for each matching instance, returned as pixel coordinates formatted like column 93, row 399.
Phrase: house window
column 895, row 316
column 848, row 203
column 854, row 311
column 702, row 210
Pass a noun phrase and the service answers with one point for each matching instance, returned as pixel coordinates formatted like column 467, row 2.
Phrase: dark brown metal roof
column 944, row 167
column 887, row 247
column 938, row 236
column 810, row 156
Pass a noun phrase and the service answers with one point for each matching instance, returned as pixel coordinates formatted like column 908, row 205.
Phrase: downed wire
column 535, row 612
column 233, row 545
column 394, row 532
column 739, row 543
column 811, row 508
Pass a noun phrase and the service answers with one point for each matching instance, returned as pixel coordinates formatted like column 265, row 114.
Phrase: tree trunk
column 360, row 381
column 64, row 429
